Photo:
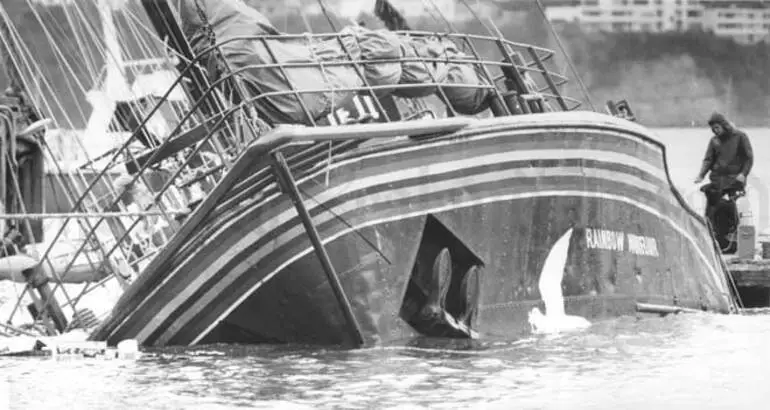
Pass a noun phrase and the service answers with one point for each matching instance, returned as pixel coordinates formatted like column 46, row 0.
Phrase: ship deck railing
column 217, row 124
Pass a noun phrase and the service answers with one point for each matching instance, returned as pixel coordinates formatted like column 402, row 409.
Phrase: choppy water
column 699, row 361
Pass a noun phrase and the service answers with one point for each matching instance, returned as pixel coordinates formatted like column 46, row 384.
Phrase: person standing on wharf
column 729, row 158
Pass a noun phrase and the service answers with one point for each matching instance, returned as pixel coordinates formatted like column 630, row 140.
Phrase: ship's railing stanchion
column 67, row 187
column 289, row 186
column 548, row 79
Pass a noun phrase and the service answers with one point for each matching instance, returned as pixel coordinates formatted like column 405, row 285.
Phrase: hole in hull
column 442, row 295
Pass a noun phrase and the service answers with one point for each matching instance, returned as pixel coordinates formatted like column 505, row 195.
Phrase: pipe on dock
column 663, row 309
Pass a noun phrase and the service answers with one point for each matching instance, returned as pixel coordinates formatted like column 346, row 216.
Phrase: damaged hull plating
column 498, row 195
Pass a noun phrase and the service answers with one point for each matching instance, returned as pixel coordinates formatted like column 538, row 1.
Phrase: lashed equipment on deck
column 270, row 65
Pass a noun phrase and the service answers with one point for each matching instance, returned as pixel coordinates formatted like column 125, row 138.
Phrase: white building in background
column 628, row 15
column 746, row 21
column 567, row 11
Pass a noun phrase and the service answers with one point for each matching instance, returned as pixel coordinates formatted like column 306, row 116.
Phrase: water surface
column 699, row 361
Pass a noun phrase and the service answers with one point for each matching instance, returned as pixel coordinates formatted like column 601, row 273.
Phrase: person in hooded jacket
column 729, row 159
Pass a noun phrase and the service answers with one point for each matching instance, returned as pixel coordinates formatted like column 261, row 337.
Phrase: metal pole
column 571, row 65
column 290, row 187
column 87, row 215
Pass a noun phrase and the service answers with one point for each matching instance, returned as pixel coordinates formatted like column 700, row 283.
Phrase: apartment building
column 628, row 15
column 746, row 21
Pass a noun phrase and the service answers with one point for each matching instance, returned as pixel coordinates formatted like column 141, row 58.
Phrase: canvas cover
column 232, row 19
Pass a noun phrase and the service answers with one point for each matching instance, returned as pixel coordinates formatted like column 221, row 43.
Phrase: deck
column 752, row 278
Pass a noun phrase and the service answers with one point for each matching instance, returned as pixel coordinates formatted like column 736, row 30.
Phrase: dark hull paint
column 507, row 190
column 597, row 283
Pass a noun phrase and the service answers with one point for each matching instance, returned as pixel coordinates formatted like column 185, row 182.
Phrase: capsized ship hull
column 499, row 195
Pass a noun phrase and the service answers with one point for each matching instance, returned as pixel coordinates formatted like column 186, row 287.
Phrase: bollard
column 746, row 241
column 765, row 249
column 746, row 233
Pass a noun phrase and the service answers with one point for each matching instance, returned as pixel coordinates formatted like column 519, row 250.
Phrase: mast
column 729, row 97
column 9, row 68
column 166, row 26
column 104, row 98
column 12, row 74
column 6, row 61
column 115, row 81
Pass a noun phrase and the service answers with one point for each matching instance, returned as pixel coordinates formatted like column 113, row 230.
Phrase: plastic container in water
column 128, row 349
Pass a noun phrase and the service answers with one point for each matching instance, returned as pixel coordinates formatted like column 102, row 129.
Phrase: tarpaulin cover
column 262, row 63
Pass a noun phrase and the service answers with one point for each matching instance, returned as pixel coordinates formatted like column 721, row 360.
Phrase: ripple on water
column 706, row 361
column 485, row 363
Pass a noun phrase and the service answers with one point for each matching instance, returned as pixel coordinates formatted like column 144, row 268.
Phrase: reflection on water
column 703, row 360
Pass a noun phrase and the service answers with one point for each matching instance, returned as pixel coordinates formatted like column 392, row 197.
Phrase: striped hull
column 501, row 193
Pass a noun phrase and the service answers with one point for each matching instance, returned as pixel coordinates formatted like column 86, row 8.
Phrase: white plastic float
column 71, row 345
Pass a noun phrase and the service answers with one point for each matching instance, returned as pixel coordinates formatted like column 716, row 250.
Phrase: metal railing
column 215, row 129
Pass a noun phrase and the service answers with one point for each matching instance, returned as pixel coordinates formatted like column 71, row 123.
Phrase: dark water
column 698, row 361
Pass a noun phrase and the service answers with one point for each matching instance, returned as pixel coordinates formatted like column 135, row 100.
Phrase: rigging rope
column 39, row 78
column 61, row 59
column 556, row 37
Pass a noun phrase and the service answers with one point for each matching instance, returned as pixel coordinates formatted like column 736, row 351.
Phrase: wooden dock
column 752, row 277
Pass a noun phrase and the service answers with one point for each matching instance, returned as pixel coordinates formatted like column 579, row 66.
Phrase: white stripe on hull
column 342, row 209
column 242, row 267
column 432, row 169
column 446, row 167
column 505, row 134
column 190, row 313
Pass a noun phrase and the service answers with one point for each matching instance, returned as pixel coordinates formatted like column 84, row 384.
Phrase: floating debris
column 69, row 345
